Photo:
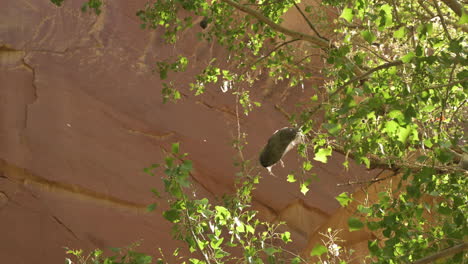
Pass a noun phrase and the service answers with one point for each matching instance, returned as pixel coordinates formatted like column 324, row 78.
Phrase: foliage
column 394, row 98
column 216, row 232
column 121, row 256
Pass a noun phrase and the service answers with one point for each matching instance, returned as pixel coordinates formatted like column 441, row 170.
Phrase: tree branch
column 294, row 34
column 426, row 9
column 455, row 6
column 442, row 20
column 393, row 164
column 320, row 42
column 366, row 182
column 447, row 84
column 444, row 253
column 308, row 22
column 358, row 78
column 271, row 51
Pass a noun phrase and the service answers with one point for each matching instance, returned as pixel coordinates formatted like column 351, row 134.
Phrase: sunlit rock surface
column 81, row 115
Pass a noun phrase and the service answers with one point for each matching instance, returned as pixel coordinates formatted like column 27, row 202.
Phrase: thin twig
column 279, row 108
column 271, row 51
column 366, row 74
column 358, row 78
column 364, row 182
column 294, row 34
column 397, row 17
column 395, row 165
column 372, row 51
column 308, row 22
column 448, row 84
column 320, row 42
column 421, row 3
column 458, row 108
column 443, row 253
column 442, row 20
column 444, row 102
column 303, row 59
column 190, row 227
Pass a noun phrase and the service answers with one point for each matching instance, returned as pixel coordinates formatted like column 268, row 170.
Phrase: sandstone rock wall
column 81, row 114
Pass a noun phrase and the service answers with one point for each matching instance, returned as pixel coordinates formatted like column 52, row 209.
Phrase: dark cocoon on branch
column 278, row 144
column 204, row 23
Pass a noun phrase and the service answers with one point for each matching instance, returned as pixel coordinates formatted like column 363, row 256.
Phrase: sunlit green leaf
column 323, row 154
column 347, row 14
column 368, row 36
column 318, row 250
column 304, row 188
column 291, row 178
column 463, row 19
column 408, row 57
column 306, row 165
column 344, row 199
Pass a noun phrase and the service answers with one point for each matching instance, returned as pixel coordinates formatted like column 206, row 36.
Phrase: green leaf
column 400, row 33
column 291, row 178
column 175, row 148
column 354, row 224
column 445, row 210
column 391, row 127
column 172, row 215
column 403, row 133
column 323, row 154
column 304, row 188
column 332, row 128
column 270, row 251
column 364, row 209
column 216, row 242
column 344, row 199
column 386, row 17
column 373, row 247
column 286, row 237
column 186, row 165
column 296, row 260
column 347, row 14
column 463, row 19
column 318, row 250
column 57, row 2
column 306, row 165
column 368, row 36
column 250, row 229
column 155, row 192
column 444, row 155
column 408, row 57
column 366, row 161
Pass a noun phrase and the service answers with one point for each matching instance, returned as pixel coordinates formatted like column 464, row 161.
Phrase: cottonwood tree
column 393, row 97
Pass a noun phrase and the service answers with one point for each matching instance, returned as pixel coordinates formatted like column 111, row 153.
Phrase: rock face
column 81, row 114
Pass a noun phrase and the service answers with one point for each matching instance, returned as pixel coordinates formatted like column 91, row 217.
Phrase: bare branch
column 271, row 51
column 455, row 6
column 308, row 22
column 366, row 182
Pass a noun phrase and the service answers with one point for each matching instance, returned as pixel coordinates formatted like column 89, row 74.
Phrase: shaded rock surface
column 81, row 114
